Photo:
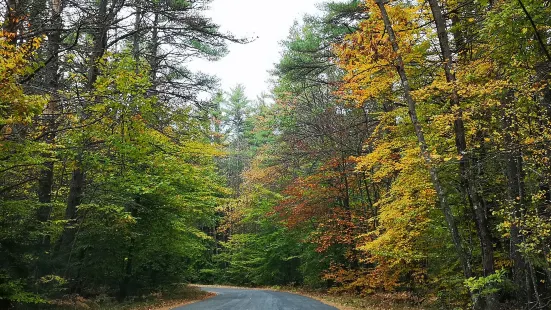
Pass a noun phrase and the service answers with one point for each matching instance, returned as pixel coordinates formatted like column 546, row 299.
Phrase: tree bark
column 467, row 179
column 76, row 188
column 412, row 108
column 516, row 196
column 46, row 178
column 154, row 48
column 136, row 39
column 73, row 201
column 100, row 43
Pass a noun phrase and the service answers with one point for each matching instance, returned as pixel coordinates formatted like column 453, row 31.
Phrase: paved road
column 244, row 299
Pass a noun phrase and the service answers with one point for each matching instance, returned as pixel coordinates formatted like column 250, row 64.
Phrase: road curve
column 246, row 299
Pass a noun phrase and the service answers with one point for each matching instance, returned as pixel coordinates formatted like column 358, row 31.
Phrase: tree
column 102, row 166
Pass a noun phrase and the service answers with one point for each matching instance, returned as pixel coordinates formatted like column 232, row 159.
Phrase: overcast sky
column 270, row 21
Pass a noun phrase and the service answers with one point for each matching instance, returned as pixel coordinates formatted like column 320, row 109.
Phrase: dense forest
column 405, row 148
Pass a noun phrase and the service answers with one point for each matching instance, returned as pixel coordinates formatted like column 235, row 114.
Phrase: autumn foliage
column 411, row 149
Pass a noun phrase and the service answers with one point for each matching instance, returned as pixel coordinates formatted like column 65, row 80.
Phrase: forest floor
column 347, row 301
column 355, row 302
column 180, row 296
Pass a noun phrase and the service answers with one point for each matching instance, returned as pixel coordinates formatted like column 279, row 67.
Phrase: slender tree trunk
column 534, row 283
column 412, row 108
column 136, row 39
column 73, row 201
column 543, row 75
column 35, row 11
column 46, row 179
column 124, row 288
column 125, row 284
column 467, row 178
column 154, row 48
column 516, row 195
column 539, row 38
column 76, row 187
column 45, row 183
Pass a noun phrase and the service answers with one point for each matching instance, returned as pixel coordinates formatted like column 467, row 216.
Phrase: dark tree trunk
column 154, row 48
column 412, row 108
column 467, row 178
column 541, row 41
column 46, row 178
column 124, row 287
column 516, row 196
column 100, row 43
column 45, row 183
column 74, row 200
column 5, row 304
column 136, row 39
column 76, row 187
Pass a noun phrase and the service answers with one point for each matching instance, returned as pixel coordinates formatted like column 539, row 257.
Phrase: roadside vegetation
column 168, row 298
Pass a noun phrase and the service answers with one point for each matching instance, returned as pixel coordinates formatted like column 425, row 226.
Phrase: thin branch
column 540, row 40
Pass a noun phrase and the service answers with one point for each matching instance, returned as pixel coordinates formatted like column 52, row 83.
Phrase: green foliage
column 261, row 259
column 485, row 286
column 153, row 194
column 13, row 289
column 149, row 195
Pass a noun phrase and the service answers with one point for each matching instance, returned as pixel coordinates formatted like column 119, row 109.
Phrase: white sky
column 248, row 64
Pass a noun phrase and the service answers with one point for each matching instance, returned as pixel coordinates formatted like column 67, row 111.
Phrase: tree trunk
column 46, row 178
column 412, row 108
column 125, row 284
column 154, row 48
column 73, row 201
column 516, row 197
column 467, row 178
column 76, row 188
column 136, row 39
column 124, row 288
column 100, row 43
column 541, row 41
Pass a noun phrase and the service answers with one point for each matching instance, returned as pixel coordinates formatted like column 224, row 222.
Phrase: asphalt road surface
column 244, row 299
